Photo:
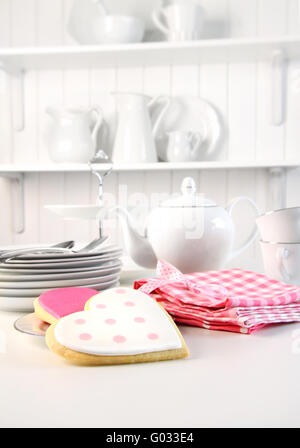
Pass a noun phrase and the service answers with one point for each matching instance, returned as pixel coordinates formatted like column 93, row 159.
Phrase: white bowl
column 118, row 29
column 280, row 225
column 76, row 211
column 110, row 29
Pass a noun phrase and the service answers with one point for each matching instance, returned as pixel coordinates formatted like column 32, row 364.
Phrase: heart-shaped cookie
column 118, row 326
column 57, row 303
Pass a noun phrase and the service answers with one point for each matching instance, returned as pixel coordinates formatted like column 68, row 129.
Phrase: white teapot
column 189, row 231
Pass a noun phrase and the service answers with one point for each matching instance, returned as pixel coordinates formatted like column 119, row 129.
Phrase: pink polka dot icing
column 64, row 301
column 119, row 339
column 129, row 303
column 139, row 320
column 110, row 321
column 79, row 321
column 121, row 291
column 100, row 306
column 85, row 336
column 152, row 336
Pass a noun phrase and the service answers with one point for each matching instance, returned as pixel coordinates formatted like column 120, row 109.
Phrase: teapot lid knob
column 188, row 186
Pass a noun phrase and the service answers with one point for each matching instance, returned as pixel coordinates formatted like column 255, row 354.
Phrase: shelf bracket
column 17, row 92
column 277, row 188
column 18, row 200
column 278, row 87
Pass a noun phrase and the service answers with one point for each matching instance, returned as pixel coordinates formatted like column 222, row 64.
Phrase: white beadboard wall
column 240, row 92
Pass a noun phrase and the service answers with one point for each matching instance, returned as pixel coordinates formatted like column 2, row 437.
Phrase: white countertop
column 229, row 380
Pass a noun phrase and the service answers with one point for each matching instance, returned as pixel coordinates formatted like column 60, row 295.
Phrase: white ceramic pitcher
column 134, row 141
column 184, row 146
column 73, row 135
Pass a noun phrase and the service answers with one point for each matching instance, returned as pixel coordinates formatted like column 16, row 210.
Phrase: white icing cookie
column 118, row 322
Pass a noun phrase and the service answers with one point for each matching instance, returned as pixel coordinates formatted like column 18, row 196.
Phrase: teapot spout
column 137, row 246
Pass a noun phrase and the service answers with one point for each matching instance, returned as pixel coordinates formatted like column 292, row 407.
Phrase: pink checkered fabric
column 231, row 300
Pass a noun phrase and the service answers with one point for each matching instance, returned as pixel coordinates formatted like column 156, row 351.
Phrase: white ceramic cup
column 282, row 261
column 184, row 146
column 280, row 225
column 180, row 21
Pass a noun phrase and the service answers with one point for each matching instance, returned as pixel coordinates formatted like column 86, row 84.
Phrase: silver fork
column 65, row 246
column 9, row 255
column 43, row 250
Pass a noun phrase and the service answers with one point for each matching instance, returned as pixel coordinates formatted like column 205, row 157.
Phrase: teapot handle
column 253, row 233
column 102, row 9
column 158, row 121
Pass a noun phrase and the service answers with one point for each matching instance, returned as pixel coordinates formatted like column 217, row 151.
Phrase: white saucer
column 88, row 212
column 94, row 283
column 22, row 303
column 108, row 250
column 16, row 303
column 65, row 283
column 28, row 271
column 14, row 277
column 64, row 263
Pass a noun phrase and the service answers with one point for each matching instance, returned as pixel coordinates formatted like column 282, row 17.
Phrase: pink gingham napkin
column 232, row 300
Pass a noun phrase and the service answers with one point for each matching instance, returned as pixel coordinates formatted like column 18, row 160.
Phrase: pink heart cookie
column 57, row 303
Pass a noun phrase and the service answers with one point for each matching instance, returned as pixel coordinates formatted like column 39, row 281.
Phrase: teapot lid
column 189, row 197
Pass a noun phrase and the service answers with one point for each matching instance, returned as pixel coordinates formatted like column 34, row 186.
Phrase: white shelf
column 16, row 61
column 16, row 173
column 56, row 168
column 153, row 53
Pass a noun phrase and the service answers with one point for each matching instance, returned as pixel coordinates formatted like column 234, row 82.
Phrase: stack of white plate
column 24, row 278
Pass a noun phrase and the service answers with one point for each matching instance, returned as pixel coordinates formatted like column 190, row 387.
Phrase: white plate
column 26, row 303
column 34, row 292
column 76, row 211
column 31, row 272
column 65, row 258
column 108, row 250
column 37, row 291
column 60, row 276
column 16, row 303
column 190, row 114
column 13, row 286
column 97, row 262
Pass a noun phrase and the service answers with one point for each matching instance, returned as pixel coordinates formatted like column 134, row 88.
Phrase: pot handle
column 101, row 7
column 253, row 233
column 283, row 254
column 157, row 17
column 196, row 139
column 153, row 102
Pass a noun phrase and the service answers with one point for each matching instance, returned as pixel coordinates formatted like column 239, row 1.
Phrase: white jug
column 134, row 141
column 73, row 135
column 185, row 146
